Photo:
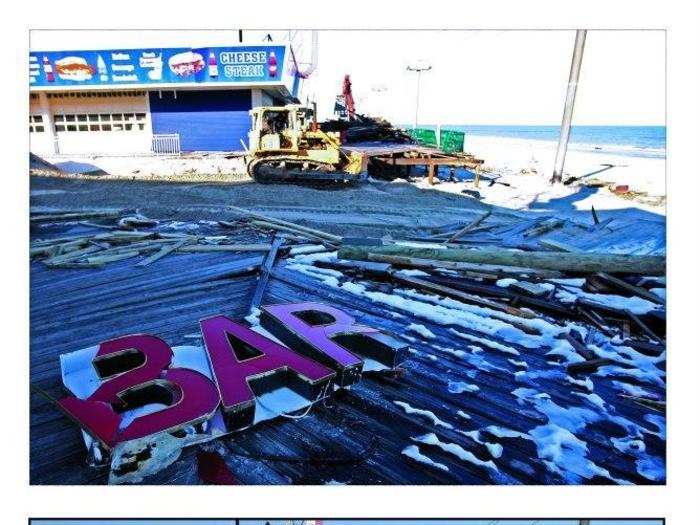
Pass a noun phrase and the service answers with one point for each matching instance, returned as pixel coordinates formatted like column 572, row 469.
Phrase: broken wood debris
column 165, row 250
column 457, row 294
column 265, row 269
column 93, row 250
column 522, row 284
column 631, row 288
column 289, row 226
column 578, row 262
column 522, row 296
column 469, row 227
column 545, row 227
column 74, row 215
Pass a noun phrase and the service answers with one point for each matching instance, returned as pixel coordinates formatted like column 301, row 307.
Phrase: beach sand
column 527, row 165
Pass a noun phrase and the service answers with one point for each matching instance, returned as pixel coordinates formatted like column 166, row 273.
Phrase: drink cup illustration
column 272, row 64
column 48, row 69
column 213, row 65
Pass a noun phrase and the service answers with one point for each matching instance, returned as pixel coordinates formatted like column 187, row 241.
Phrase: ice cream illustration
column 48, row 69
column 213, row 66
column 272, row 64
column 102, row 69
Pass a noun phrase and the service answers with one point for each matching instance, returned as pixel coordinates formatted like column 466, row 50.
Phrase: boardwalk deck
column 358, row 435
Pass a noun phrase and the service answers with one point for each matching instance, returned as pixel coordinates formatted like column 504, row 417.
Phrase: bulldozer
column 286, row 145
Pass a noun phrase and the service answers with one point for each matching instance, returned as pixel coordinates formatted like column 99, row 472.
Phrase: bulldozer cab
column 278, row 129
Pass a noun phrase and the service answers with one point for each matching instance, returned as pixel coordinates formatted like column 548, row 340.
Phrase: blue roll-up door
column 205, row 120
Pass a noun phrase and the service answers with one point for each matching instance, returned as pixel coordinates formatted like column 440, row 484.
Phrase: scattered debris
column 498, row 332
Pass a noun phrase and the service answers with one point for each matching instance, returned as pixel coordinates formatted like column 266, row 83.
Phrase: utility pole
column 569, row 105
column 418, row 69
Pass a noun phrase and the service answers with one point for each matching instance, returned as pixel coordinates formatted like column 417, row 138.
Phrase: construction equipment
column 286, row 145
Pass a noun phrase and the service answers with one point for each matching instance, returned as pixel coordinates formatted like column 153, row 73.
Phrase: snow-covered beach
column 525, row 167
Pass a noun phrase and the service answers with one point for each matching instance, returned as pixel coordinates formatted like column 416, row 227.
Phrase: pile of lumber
column 122, row 235
column 367, row 129
column 95, row 250
column 520, row 282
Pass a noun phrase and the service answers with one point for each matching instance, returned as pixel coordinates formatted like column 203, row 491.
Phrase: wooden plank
column 112, row 258
column 557, row 246
column 468, row 298
column 225, row 248
column 491, row 269
column 469, row 227
column 643, row 326
column 631, row 288
column 578, row 262
column 290, row 225
column 265, row 269
column 545, row 227
column 165, row 250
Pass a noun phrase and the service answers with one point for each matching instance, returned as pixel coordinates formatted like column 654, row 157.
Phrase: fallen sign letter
column 139, row 401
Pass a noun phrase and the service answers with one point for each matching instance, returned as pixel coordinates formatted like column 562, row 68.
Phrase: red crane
column 347, row 96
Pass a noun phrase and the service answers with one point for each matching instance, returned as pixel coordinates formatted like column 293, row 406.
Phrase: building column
column 47, row 116
column 256, row 98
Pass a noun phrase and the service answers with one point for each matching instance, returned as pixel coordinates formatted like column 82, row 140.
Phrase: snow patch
column 425, row 413
column 456, row 450
column 414, row 453
column 422, row 330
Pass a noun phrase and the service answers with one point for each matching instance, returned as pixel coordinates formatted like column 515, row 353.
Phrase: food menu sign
column 214, row 65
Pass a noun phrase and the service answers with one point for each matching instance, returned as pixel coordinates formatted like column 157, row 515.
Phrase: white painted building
column 133, row 92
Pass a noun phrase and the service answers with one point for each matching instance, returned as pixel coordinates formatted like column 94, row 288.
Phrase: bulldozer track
column 290, row 169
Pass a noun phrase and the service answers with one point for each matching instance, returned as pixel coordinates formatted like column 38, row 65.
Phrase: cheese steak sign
column 130, row 390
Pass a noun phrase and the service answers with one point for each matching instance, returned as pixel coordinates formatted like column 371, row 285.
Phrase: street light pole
column 419, row 70
column 569, row 105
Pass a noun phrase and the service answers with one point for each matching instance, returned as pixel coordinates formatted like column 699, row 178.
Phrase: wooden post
column 431, row 170
column 569, row 105
column 560, row 261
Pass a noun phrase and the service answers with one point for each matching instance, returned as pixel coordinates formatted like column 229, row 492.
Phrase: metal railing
column 168, row 144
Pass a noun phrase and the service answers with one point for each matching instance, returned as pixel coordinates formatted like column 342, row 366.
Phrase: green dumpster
column 450, row 141
column 424, row 137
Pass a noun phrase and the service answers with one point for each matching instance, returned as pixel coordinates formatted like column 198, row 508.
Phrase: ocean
column 634, row 141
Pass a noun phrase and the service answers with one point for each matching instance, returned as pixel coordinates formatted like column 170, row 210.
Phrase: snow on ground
column 425, row 413
column 636, row 305
column 456, row 450
column 413, row 452
column 531, row 190
column 152, row 166
column 559, row 440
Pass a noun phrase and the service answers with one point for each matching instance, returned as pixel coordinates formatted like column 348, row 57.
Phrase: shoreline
column 523, row 168
column 642, row 174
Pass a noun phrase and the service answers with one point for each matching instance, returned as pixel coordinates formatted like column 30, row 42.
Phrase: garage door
column 104, row 122
column 205, row 120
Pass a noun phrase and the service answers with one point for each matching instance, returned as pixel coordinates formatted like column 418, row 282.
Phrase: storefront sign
column 157, row 67
column 130, row 390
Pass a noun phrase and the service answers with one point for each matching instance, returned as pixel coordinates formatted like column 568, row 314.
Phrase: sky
column 494, row 77
column 477, row 77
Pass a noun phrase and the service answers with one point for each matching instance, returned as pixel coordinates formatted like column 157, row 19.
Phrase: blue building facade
column 124, row 101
